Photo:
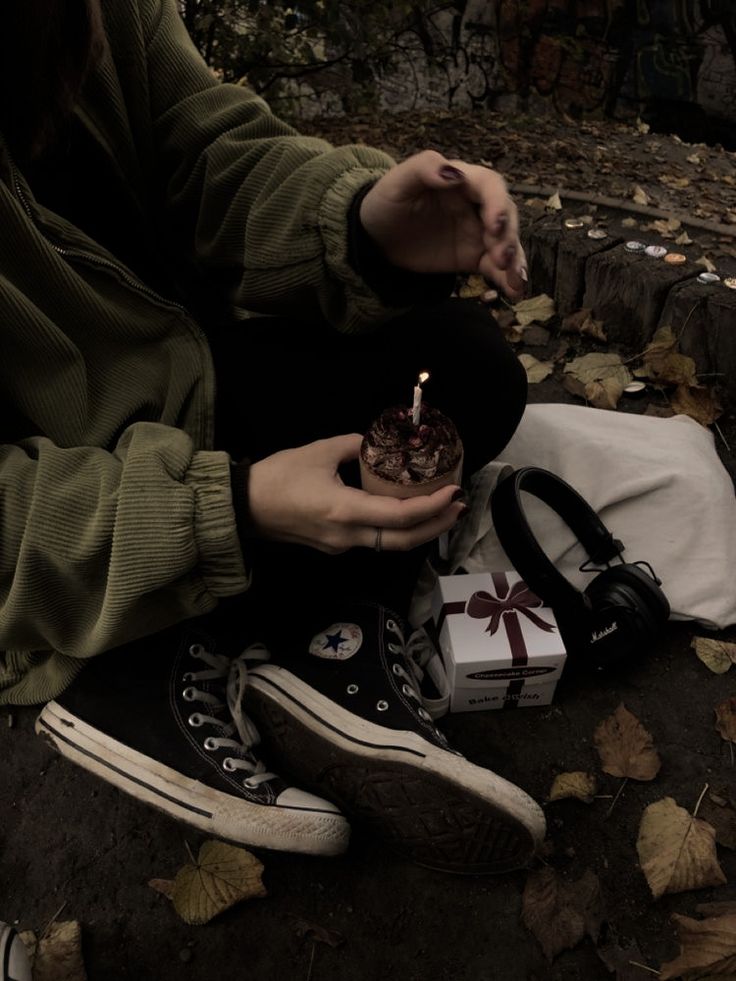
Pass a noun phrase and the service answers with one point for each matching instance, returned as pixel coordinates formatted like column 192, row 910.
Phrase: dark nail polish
column 523, row 272
column 459, row 495
column 464, row 512
column 451, row 173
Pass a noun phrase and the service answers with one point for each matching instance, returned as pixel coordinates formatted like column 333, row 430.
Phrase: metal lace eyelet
column 397, row 670
column 227, row 764
column 187, row 676
column 394, row 648
column 189, row 694
column 210, row 744
column 382, row 705
column 196, row 650
column 406, row 690
column 195, row 719
column 352, row 689
column 391, row 624
column 250, row 783
column 424, row 715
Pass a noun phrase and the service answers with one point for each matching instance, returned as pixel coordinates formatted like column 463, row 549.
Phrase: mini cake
column 400, row 459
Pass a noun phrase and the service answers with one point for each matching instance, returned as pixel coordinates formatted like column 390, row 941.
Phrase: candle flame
column 423, row 377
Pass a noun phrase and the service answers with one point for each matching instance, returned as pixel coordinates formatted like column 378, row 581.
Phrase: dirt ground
column 72, row 846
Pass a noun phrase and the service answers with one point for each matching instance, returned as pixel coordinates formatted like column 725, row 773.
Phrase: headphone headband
column 520, row 544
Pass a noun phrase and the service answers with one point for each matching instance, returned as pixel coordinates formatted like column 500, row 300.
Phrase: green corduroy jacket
column 116, row 515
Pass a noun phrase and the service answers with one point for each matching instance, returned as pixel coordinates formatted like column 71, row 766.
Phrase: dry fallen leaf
column 604, row 394
column 224, row 875
column 640, row 195
column 164, row 886
column 473, row 286
column 597, row 367
column 576, row 784
column 536, row 370
column 718, row 655
column 624, row 958
column 671, row 181
column 708, row 949
column 560, row 913
column 625, row 747
column 629, row 223
column 59, row 954
column 699, row 403
column 554, row 202
column 677, row 851
column 583, row 322
column 716, row 909
column 537, row 309
column 312, row 931
column 30, row 942
column 726, row 719
column 694, row 159
column 683, row 239
column 706, row 263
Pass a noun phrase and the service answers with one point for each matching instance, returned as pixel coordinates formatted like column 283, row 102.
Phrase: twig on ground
column 700, row 801
column 53, row 920
column 618, row 794
column 644, row 967
column 720, row 433
column 311, row 962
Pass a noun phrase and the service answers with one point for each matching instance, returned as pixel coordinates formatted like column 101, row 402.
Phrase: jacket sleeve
column 100, row 548
column 265, row 208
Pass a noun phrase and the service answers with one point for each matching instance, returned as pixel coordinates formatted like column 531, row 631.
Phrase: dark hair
column 46, row 50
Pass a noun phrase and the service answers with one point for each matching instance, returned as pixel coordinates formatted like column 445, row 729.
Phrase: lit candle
column 416, row 408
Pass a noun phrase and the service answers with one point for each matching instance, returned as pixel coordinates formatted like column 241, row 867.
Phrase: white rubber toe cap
column 300, row 799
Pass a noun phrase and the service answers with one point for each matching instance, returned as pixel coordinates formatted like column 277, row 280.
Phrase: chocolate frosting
column 397, row 450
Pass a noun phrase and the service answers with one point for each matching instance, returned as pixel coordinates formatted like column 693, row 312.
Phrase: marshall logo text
column 600, row 634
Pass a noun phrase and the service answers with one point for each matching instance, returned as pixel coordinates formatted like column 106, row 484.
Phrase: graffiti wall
column 580, row 57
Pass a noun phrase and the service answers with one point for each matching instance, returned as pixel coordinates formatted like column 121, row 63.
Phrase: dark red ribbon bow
column 519, row 599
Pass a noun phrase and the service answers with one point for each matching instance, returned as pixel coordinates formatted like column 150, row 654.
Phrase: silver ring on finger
column 377, row 542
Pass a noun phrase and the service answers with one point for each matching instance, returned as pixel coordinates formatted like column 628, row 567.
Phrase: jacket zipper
column 95, row 260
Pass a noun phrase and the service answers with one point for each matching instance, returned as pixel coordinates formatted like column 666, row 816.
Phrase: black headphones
column 620, row 612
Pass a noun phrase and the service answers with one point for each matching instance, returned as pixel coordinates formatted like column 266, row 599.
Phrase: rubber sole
column 276, row 827
column 433, row 806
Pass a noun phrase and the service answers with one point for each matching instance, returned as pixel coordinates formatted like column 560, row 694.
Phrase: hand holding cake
column 409, row 452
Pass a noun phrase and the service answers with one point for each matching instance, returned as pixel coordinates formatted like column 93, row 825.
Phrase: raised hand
column 429, row 214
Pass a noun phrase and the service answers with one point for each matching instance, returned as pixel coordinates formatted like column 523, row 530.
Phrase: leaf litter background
column 636, row 770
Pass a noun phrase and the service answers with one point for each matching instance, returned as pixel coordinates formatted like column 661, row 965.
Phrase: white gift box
column 501, row 647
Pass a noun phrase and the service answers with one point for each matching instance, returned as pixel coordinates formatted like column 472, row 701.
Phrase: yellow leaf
column 683, row 239
column 537, row 309
column 706, row 263
column 707, row 948
column 715, row 654
column 59, row 954
column 625, row 747
column 224, row 875
column 640, row 195
column 583, row 322
column 472, row 287
column 576, row 784
column 596, row 367
column 554, row 202
column 677, row 851
column 726, row 718
column 536, row 370
column 699, row 403
column 604, row 394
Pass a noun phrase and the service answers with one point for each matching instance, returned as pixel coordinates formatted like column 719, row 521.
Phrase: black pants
column 283, row 383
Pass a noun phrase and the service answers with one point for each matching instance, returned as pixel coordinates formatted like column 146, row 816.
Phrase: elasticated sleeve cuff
column 221, row 561
column 394, row 286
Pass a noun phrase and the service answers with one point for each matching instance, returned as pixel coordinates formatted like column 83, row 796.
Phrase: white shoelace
column 422, row 658
column 236, row 673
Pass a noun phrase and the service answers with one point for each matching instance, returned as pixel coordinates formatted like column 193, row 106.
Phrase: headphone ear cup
column 629, row 585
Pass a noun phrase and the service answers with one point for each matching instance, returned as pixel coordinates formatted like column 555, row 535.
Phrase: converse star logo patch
column 338, row 642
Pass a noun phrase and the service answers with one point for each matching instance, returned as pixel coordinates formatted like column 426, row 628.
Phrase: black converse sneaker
column 163, row 721
column 346, row 717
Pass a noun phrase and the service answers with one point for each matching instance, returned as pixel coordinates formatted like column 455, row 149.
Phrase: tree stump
column 574, row 251
column 540, row 240
column 628, row 291
column 704, row 319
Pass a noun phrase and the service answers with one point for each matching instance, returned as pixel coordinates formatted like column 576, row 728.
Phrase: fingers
column 359, row 508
